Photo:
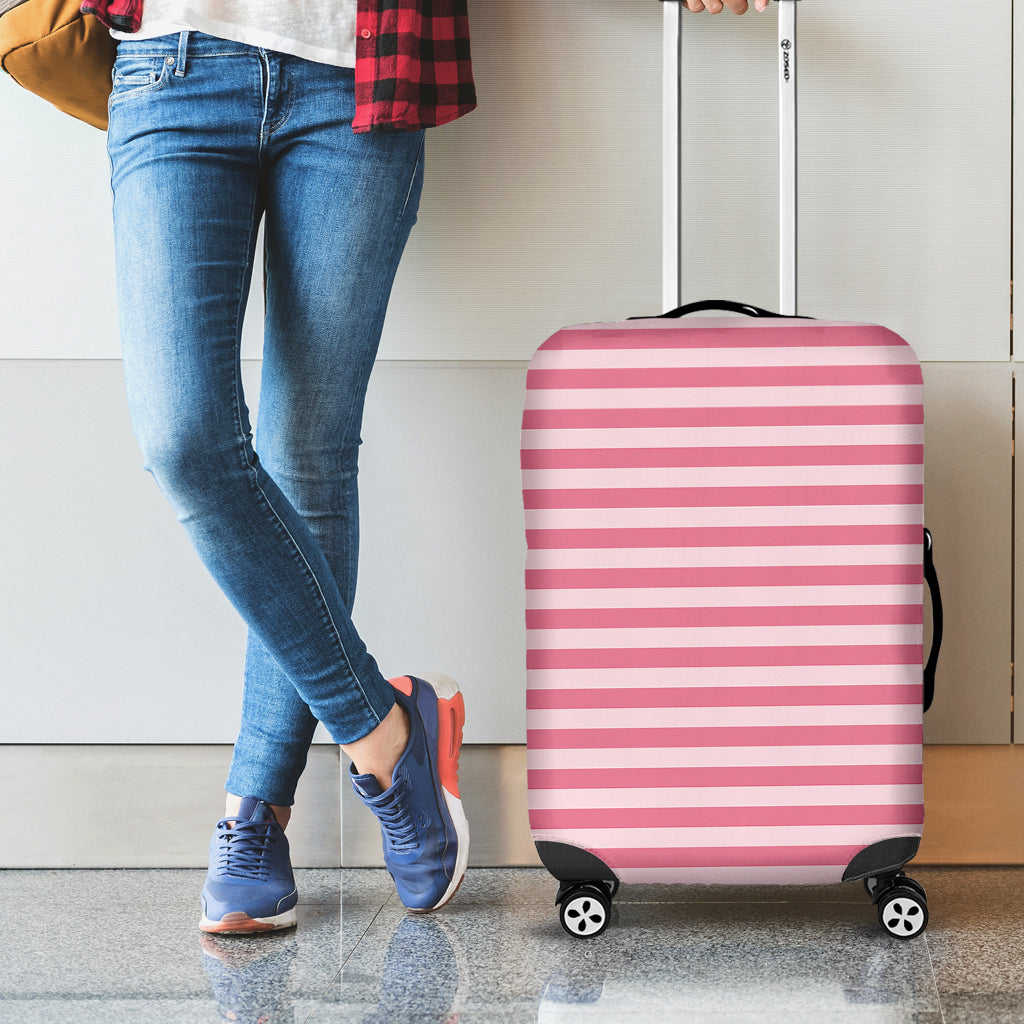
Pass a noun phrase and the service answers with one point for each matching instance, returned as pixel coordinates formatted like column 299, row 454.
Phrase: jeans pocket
column 134, row 75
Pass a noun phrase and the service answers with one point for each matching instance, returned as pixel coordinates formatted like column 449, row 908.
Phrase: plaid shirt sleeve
column 123, row 15
column 413, row 67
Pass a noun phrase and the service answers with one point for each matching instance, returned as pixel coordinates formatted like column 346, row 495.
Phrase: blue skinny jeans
column 207, row 137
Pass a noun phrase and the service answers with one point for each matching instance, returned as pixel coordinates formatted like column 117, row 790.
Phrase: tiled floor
column 122, row 946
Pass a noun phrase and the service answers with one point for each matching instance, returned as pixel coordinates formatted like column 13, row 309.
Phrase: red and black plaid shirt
column 413, row 68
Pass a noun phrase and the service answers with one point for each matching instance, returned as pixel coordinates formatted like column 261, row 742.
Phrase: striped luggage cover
column 724, row 595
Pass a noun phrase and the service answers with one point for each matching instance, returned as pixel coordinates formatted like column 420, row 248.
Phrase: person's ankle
column 379, row 752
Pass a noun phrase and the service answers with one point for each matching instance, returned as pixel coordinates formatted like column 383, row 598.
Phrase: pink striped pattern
column 732, row 856
column 714, row 497
column 723, row 736
column 723, row 536
column 659, row 458
column 743, row 777
column 724, row 377
column 728, row 576
column 725, row 817
column 722, row 697
column 704, row 657
column 667, row 618
column 615, row 413
column 781, row 416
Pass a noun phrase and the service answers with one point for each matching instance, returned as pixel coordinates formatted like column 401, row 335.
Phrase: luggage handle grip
column 724, row 304
column 932, row 579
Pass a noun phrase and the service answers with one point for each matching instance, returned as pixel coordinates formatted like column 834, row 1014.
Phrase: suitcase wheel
column 902, row 907
column 585, row 910
column 871, row 885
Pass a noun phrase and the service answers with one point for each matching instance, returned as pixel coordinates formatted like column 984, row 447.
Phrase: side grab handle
column 932, row 579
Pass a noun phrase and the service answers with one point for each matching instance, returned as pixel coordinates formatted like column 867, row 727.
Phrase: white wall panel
column 968, row 502
column 443, row 547
column 543, row 206
column 57, row 284
column 57, row 263
column 111, row 630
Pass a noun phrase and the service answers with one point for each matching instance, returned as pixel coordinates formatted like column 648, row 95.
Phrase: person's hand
column 717, row 6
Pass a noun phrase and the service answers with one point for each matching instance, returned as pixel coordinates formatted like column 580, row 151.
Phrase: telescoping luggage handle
column 671, row 140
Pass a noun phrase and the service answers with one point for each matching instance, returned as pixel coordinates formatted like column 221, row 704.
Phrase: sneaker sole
column 451, row 716
column 240, row 923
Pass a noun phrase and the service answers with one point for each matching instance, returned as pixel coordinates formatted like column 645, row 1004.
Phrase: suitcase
column 725, row 567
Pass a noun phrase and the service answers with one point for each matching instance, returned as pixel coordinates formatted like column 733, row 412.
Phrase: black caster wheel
column 585, row 911
column 871, row 885
column 913, row 884
column 903, row 911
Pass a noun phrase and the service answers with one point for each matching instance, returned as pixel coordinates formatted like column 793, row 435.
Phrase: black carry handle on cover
column 932, row 579
column 724, row 304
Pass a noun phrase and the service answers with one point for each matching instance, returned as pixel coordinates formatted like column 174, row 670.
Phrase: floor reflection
column 423, row 975
column 251, row 976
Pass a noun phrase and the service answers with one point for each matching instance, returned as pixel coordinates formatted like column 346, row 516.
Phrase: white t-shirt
column 320, row 30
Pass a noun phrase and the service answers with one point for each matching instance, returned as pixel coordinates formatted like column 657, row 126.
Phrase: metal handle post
column 671, row 139
column 671, row 231
column 787, row 157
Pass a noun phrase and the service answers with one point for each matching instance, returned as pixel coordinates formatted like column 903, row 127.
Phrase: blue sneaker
column 250, row 886
column 426, row 836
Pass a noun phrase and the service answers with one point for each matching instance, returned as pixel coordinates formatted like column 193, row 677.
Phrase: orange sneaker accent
column 451, row 717
column 237, row 922
column 403, row 683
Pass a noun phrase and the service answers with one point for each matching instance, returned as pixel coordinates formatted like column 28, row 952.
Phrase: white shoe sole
column 240, row 923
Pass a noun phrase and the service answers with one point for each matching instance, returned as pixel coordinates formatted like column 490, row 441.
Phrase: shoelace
column 244, row 849
column 397, row 823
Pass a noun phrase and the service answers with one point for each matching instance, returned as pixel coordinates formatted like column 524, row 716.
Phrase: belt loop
column 182, row 48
